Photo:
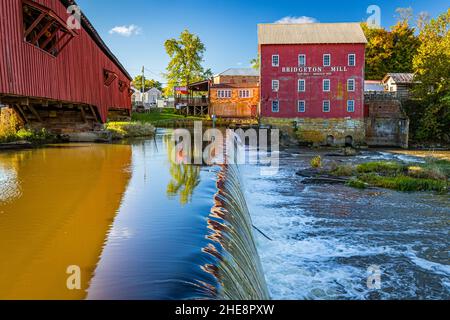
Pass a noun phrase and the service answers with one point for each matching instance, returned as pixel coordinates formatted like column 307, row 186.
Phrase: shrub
column 316, row 162
column 120, row 130
column 356, row 183
column 404, row 183
column 381, row 167
column 345, row 170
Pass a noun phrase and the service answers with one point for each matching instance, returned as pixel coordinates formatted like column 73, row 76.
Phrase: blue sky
column 227, row 28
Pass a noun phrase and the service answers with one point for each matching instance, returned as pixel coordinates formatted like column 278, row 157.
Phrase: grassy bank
column 166, row 117
column 433, row 175
column 134, row 129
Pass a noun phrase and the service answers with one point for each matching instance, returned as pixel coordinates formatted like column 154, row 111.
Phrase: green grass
column 166, row 115
column 32, row 136
column 345, row 170
column 120, row 130
column 381, row 167
column 356, row 183
column 404, row 183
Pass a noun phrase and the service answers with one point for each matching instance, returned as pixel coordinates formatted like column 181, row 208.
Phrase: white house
column 147, row 99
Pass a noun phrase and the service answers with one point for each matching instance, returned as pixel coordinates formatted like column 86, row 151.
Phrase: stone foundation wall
column 318, row 131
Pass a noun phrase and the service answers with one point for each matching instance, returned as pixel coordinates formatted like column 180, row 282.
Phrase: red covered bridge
column 53, row 74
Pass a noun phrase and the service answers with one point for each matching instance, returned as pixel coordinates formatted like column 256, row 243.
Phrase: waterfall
column 238, row 270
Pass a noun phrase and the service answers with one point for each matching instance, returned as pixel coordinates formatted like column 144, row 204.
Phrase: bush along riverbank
column 133, row 129
column 433, row 175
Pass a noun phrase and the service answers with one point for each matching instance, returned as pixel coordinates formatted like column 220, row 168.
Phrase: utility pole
column 143, row 83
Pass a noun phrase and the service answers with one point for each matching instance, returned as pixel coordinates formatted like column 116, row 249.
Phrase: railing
column 380, row 95
column 192, row 101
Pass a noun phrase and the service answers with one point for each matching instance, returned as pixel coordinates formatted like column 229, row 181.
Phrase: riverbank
column 429, row 174
column 168, row 118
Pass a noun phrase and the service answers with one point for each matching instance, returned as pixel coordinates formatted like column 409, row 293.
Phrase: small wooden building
column 230, row 94
column 54, row 72
column 400, row 83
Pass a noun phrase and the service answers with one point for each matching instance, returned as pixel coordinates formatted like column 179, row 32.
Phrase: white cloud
column 302, row 19
column 126, row 31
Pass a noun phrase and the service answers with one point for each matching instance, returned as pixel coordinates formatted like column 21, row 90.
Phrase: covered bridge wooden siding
column 48, row 71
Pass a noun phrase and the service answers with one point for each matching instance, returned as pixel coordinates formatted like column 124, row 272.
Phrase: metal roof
column 310, row 33
column 400, row 77
column 248, row 72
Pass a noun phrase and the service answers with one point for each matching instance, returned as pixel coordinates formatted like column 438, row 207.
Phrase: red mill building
column 312, row 79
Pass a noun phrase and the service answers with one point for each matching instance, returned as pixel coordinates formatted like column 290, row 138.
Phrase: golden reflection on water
column 56, row 207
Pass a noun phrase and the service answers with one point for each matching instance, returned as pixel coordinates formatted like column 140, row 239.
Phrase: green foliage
column 120, row 130
column 432, row 67
column 389, row 51
column 356, row 183
column 186, row 57
column 9, row 124
column 316, row 162
column 256, row 63
column 344, row 170
column 149, row 83
column 381, row 167
column 404, row 183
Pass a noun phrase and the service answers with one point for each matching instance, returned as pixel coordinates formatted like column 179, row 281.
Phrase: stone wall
column 318, row 131
column 386, row 124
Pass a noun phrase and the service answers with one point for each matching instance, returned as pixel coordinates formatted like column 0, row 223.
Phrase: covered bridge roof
column 87, row 25
column 310, row 33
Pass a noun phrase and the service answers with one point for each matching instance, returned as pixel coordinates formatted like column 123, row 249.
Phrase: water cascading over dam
column 238, row 270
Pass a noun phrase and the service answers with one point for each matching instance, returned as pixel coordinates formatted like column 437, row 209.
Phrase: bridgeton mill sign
column 314, row 71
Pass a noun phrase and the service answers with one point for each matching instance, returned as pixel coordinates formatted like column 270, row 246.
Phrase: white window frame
column 329, row 106
column 329, row 85
column 275, row 85
column 354, row 60
column 278, row 60
column 353, row 84
column 245, row 93
column 329, row 60
column 304, row 85
column 278, row 102
column 224, row 94
column 299, row 102
column 304, row 60
column 353, row 106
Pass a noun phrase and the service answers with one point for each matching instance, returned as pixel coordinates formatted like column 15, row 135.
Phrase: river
column 140, row 227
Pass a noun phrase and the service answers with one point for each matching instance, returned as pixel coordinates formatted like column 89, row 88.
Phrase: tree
column 423, row 18
column 404, row 47
column 149, row 83
column 404, row 15
column 185, row 66
column 256, row 63
column 390, row 51
column 432, row 67
column 379, row 51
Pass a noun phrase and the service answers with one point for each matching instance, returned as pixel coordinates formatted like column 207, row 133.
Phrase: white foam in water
column 310, row 257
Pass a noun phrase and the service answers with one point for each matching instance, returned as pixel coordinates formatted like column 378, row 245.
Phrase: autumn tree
column 148, row 83
column 432, row 68
column 404, row 47
column 379, row 51
column 186, row 57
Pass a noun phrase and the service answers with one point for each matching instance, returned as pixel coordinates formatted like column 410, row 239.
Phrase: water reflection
column 56, row 207
column 185, row 178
